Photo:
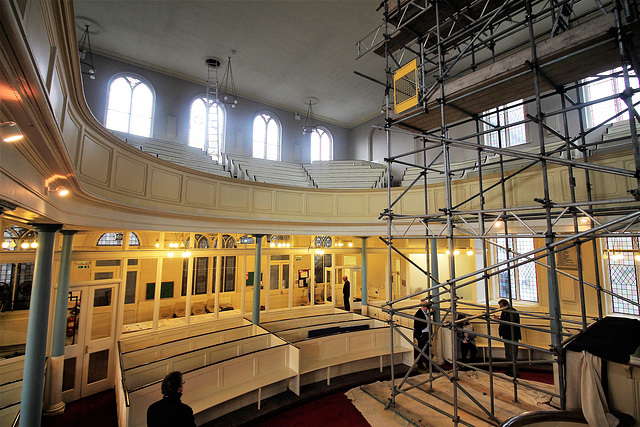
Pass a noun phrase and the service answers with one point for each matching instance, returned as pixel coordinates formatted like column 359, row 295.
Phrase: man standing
column 346, row 292
column 170, row 411
column 509, row 314
column 421, row 332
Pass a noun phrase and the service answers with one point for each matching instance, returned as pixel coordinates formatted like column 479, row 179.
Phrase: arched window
column 266, row 137
column 130, row 106
column 321, row 145
column 115, row 239
column 206, row 126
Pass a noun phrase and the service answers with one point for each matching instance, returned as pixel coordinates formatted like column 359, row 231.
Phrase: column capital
column 43, row 228
column 68, row 232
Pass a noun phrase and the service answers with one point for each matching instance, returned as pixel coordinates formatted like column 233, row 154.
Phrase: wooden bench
column 346, row 174
column 180, row 154
column 144, row 339
column 135, row 358
column 11, row 370
column 212, row 375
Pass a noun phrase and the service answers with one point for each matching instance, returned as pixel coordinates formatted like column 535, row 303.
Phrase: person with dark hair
column 510, row 314
column 170, row 411
column 346, row 292
column 422, row 332
column 466, row 339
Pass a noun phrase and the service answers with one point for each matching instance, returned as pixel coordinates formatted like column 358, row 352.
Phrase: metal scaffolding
column 473, row 58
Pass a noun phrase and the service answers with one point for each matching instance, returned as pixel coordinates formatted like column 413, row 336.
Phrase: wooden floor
column 371, row 399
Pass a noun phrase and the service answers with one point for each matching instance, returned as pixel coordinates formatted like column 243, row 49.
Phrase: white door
column 89, row 353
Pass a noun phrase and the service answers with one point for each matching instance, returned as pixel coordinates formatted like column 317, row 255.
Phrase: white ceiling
column 285, row 51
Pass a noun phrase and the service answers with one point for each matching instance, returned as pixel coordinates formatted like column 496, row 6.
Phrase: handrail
column 124, row 384
column 531, row 417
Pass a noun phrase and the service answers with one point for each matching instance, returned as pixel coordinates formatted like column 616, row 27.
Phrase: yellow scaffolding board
column 405, row 87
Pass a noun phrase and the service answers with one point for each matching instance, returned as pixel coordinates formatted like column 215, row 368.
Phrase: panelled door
column 89, row 365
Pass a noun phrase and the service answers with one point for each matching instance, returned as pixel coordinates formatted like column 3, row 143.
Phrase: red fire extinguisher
column 71, row 321
column 71, row 325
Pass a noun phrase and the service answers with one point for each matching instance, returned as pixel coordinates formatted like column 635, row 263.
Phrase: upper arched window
column 206, row 126
column 115, row 239
column 266, row 137
column 130, row 106
column 321, row 145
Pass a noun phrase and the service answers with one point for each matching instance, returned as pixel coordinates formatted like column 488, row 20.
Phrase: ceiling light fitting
column 310, row 124
column 60, row 191
column 86, row 56
column 10, row 132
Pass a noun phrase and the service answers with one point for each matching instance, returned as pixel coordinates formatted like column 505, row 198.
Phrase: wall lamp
column 61, row 191
column 10, row 132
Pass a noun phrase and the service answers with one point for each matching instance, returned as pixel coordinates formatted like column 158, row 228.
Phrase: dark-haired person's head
column 172, row 384
column 503, row 303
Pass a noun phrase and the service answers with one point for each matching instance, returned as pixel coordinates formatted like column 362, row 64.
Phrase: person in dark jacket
column 421, row 332
column 346, row 292
column 170, row 411
column 510, row 314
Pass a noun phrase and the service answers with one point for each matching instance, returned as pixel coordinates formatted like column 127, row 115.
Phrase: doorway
column 90, row 339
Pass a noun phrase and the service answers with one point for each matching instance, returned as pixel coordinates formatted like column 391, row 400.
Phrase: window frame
column 618, row 104
column 221, row 134
column 326, row 132
column 628, row 259
column 275, row 119
column 516, row 282
column 153, row 103
column 503, row 137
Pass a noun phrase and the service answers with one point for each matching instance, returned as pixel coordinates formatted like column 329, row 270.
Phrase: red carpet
column 98, row 410
column 334, row 410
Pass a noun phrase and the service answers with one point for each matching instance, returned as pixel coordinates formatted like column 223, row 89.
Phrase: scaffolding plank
column 573, row 55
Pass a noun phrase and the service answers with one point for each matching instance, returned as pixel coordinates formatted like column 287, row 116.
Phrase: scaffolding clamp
column 544, row 202
column 635, row 192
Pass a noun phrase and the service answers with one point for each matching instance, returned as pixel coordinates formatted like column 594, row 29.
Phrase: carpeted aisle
column 334, row 410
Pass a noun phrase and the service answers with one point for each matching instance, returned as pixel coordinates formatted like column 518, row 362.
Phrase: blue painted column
column 36, row 348
column 53, row 403
column 257, row 270
column 364, row 291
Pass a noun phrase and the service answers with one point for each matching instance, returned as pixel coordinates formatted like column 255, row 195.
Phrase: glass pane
column 73, row 317
column 196, row 124
column 130, row 287
column 285, row 276
column 274, row 271
column 259, row 137
column 98, row 366
column 101, row 319
column 69, row 374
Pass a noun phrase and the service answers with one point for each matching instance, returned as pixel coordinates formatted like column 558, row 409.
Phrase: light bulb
column 350, row 244
column 157, row 245
column 469, row 252
column 288, row 245
column 456, row 252
column 170, row 254
column 5, row 245
column 272, row 244
column 447, row 252
column 186, row 254
column 584, row 219
column 62, row 191
column 24, row 245
column 34, row 244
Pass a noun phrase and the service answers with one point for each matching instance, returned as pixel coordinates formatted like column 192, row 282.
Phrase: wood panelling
column 95, row 160
column 130, row 175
